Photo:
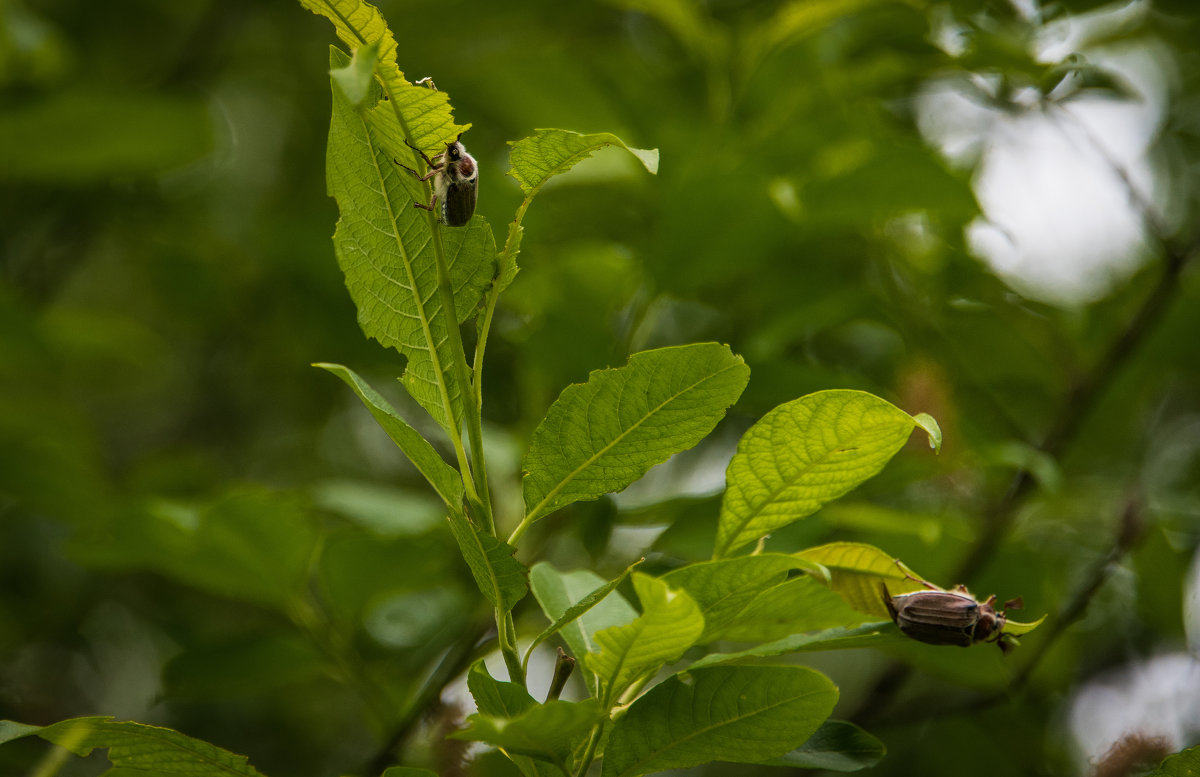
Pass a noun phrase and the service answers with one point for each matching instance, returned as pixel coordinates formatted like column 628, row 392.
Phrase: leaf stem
column 475, row 484
column 1077, row 404
column 589, row 755
column 521, row 527
column 485, row 326
column 506, row 630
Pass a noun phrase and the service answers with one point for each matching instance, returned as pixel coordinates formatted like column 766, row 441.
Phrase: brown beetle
column 938, row 617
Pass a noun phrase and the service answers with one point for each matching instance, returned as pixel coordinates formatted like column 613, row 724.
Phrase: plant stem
column 458, row 657
column 1130, row 530
column 521, row 527
column 506, row 631
column 1077, row 404
column 485, row 327
column 589, row 755
column 476, row 482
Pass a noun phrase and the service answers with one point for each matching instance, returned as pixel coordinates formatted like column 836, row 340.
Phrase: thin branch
column 1077, row 405
column 1130, row 531
column 460, row 655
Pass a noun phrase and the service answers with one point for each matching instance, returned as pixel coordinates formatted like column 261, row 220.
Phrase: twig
column 1130, row 530
column 456, row 659
column 1077, row 405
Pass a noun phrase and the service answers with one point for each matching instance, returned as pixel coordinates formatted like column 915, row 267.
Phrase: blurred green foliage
column 199, row 530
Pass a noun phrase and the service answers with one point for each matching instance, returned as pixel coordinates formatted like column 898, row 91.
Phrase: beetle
column 455, row 177
column 938, row 617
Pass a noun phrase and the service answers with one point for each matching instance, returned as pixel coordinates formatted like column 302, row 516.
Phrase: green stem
column 485, row 327
column 475, row 483
column 492, row 296
column 521, row 527
column 590, row 754
column 313, row 623
column 457, row 658
column 506, row 631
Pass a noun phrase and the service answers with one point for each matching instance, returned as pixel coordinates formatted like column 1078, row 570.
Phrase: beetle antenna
column 915, row 579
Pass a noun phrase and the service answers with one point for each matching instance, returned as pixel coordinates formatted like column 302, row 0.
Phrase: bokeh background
column 982, row 210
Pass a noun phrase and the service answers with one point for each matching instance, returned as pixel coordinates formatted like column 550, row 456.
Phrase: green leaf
column 388, row 252
column 866, row 517
column 837, row 746
column 507, row 269
column 579, row 608
column 547, row 732
column 386, row 511
column 254, row 665
column 423, row 113
column 494, row 697
column 670, row 623
column 744, row 714
column 444, row 478
column 839, row 638
column 357, row 78
column 407, row 771
column 796, row 20
column 930, row 425
column 726, row 588
column 1185, row 763
column 250, row 544
column 798, row 605
column 856, row 571
column 1019, row 628
column 547, row 153
column 802, row 455
column 499, row 699
column 89, row 136
column 557, row 592
column 500, row 577
column 600, row 436
column 689, row 22
column 136, row 746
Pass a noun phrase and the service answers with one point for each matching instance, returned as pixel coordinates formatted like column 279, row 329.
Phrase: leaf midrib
column 426, row 329
column 786, row 483
column 632, row 770
column 566, row 164
column 538, row 509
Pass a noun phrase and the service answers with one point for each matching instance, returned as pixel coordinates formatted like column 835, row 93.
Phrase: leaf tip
column 930, row 425
column 648, row 157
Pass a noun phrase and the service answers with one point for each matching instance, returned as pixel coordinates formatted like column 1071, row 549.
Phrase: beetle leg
column 428, row 161
column 437, row 169
column 432, row 204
